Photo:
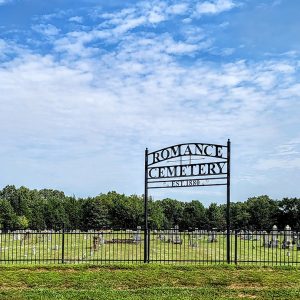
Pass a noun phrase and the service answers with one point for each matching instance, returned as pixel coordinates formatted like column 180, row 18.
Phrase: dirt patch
column 238, row 286
column 247, row 296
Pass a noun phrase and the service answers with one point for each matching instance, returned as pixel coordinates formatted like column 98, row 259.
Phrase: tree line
column 22, row 208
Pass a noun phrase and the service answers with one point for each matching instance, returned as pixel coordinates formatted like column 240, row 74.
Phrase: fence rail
column 167, row 246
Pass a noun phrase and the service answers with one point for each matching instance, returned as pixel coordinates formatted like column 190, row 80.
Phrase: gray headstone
column 287, row 241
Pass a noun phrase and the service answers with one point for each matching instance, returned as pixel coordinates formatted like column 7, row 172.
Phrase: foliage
column 22, row 208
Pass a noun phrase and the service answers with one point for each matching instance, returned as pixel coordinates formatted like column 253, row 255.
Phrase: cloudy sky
column 87, row 85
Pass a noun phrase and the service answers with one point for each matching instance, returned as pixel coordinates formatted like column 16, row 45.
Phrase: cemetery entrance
column 184, row 166
column 180, row 166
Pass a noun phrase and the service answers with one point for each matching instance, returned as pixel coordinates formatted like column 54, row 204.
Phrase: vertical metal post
column 235, row 246
column 146, row 241
column 63, row 245
column 228, row 201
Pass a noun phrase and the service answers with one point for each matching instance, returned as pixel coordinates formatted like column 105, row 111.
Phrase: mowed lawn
column 148, row 282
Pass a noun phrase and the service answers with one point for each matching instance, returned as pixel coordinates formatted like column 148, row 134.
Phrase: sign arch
column 187, row 165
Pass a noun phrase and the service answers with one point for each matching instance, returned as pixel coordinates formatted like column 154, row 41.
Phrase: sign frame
column 178, row 177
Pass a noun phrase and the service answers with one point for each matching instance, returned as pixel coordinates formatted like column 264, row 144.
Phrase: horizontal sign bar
column 186, row 183
column 190, row 149
column 191, row 170
column 208, row 178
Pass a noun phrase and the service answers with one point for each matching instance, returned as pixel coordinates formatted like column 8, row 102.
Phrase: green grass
column 148, row 282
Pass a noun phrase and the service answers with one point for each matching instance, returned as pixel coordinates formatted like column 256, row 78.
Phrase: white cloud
column 76, row 19
column 69, row 110
column 178, row 9
column 214, row 7
column 113, row 89
column 46, row 29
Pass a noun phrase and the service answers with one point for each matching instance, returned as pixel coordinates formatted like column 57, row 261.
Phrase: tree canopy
column 22, row 208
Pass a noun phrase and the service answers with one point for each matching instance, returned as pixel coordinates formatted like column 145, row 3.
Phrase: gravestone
column 197, row 234
column 212, row 236
column 101, row 238
column 17, row 236
column 137, row 236
column 161, row 236
column 170, row 235
column 176, row 236
column 266, row 239
column 274, row 237
column 193, row 238
column 294, row 238
column 96, row 242
column 287, row 242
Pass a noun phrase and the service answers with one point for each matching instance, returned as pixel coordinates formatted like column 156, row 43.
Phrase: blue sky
column 86, row 86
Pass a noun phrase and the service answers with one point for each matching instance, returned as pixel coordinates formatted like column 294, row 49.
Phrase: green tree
column 263, row 212
column 173, row 211
column 38, row 205
column 55, row 215
column 194, row 215
column 216, row 216
column 22, row 222
column 289, row 213
column 240, row 217
column 8, row 218
column 73, row 210
column 156, row 215
column 94, row 214
column 127, row 212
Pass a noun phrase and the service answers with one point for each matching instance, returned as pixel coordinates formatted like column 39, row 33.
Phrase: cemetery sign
column 188, row 165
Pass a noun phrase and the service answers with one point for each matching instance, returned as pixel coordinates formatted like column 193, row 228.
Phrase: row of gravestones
column 173, row 236
column 271, row 240
column 99, row 239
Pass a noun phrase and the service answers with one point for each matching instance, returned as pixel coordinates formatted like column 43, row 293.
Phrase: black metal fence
column 166, row 246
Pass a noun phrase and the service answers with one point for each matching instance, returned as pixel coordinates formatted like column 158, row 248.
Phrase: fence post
column 228, row 239
column 146, row 231
column 148, row 250
column 63, row 245
column 235, row 246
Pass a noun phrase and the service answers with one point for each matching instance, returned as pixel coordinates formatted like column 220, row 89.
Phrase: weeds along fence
column 166, row 246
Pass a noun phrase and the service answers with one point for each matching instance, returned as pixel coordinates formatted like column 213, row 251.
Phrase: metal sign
column 188, row 165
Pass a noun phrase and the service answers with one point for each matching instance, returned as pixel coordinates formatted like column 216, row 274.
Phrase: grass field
column 148, row 282
column 78, row 248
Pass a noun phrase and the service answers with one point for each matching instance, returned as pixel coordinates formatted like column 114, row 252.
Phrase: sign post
column 146, row 254
column 228, row 202
column 188, row 165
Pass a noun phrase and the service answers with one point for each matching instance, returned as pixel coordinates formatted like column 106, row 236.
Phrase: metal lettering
column 205, row 150
column 219, row 152
column 161, row 172
column 175, row 153
column 200, row 149
column 188, row 151
column 211, row 169
column 209, row 150
column 167, row 156
column 156, row 157
column 193, row 170
column 171, row 172
column 221, row 165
